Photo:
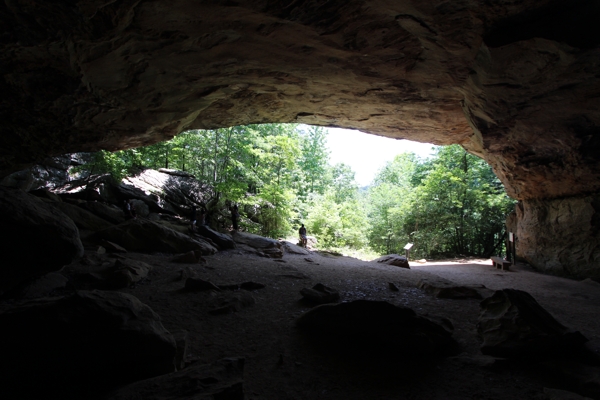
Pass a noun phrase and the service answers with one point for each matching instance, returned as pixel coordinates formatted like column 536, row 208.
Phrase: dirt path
column 281, row 365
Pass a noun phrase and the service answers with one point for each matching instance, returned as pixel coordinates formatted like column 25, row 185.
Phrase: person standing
column 303, row 239
column 193, row 218
column 202, row 216
column 235, row 215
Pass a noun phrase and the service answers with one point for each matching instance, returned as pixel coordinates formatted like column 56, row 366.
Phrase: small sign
column 511, row 237
column 408, row 246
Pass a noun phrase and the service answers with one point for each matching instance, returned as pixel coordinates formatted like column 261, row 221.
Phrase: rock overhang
column 516, row 84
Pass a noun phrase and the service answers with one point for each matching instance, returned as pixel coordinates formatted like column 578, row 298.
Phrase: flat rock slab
column 194, row 284
column 557, row 394
column 84, row 219
column 445, row 289
column 108, row 212
column 229, row 303
column 320, row 294
column 375, row 328
column 220, row 380
column 43, row 286
column 513, row 324
column 220, row 239
column 393, row 259
column 147, row 236
column 292, row 248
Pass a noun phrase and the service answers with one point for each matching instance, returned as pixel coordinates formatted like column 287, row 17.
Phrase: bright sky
column 366, row 154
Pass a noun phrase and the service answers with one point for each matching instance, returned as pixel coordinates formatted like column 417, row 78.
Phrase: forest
column 280, row 176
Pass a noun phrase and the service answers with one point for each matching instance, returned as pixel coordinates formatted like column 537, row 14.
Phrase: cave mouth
column 285, row 175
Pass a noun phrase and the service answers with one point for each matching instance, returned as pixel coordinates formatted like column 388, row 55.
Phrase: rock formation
column 516, row 83
column 37, row 238
column 82, row 343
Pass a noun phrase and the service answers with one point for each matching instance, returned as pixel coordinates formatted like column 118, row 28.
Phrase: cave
column 516, row 83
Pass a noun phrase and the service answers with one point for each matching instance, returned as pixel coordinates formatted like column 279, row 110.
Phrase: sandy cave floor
column 280, row 364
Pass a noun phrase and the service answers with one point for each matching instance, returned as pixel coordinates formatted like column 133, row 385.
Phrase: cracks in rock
column 417, row 20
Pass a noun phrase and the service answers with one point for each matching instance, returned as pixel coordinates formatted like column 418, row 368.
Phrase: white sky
column 366, row 154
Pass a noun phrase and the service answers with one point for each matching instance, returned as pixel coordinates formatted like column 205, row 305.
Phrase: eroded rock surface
column 513, row 324
column 560, row 236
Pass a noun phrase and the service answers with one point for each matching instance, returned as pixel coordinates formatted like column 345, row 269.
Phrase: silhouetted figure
column 235, row 215
column 129, row 209
column 303, row 239
column 202, row 216
column 193, row 219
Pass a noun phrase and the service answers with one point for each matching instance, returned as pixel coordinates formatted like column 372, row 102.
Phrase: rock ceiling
column 515, row 82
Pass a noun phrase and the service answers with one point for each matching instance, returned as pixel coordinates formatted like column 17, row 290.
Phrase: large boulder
column 221, row 380
column 513, row 324
column 393, row 259
column 294, row 249
column 147, row 236
column 81, row 344
column 84, row 219
column 376, row 328
column 173, row 190
column 37, row 237
column 109, row 212
column 220, row 239
column 262, row 246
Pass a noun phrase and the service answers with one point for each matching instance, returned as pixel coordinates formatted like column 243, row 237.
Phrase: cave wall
column 516, row 83
column 559, row 236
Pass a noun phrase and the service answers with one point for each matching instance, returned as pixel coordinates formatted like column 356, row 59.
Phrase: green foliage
column 449, row 205
column 280, row 176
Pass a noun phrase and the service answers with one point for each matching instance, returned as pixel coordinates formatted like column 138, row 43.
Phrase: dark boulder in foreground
column 78, row 345
column 376, row 328
column 147, row 236
column 221, row 380
column 513, row 324
column 393, row 259
column 37, row 238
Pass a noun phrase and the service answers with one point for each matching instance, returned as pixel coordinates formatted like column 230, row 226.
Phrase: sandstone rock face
column 560, row 236
column 37, row 237
column 513, row 324
column 172, row 190
column 513, row 82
